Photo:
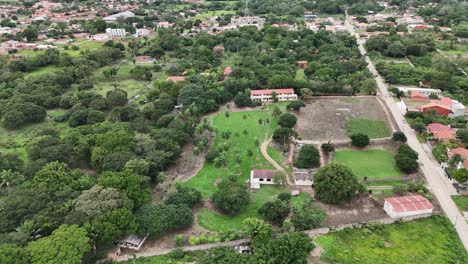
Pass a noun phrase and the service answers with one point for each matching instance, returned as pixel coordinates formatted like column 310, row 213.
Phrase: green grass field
column 461, row 201
column 350, row 100
column 189, row 257
column 372, row 128
column 213, row 13
column 300, row 74
column 240, row 143
column 373, row 163
column 214, row 221
column 132, row 87
column 429, row 240
column 16, row 141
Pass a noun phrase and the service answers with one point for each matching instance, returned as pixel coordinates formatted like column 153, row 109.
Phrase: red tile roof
column 227, row 70
column 266, row 174
column 465, row 164
column 409, row 203
column 444, row 135
column 415, row 94
column 175, row 78
column 460, row 151
column 436, row 127
column 269, row 91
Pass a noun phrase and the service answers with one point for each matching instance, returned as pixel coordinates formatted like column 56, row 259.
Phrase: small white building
column 266, row 95
column 424, row 91
column 132, row 242
column 258, row 177
column 248, row 21
column 411, row 205
column 116, row 32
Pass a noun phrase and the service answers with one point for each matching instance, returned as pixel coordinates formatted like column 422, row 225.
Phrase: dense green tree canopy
column 336, row 184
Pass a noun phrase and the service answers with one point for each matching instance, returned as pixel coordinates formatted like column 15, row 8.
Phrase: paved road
column 438, row 183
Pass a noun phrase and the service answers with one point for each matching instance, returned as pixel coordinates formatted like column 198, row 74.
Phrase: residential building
column 227, row 71
column 116, row 32
column 302, row 64
column 460, row 151
column 132, row 242
column 266, row 95
column 410, row 205
column 441, row 132
column 417, row 96
column 304, row 177
column 258, row 177
column 424, row 91
column 440, row 109
column 248, row 21
column 175, row 78
column 164, row 24
column 113, row 18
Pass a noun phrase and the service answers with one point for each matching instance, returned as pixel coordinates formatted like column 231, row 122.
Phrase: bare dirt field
column 360, row 210
column 325, row 118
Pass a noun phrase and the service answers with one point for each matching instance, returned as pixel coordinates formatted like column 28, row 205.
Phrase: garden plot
column 326, row 119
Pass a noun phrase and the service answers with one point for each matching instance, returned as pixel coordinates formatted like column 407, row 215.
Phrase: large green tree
column 309, row 157
column 231, row 197
column 335, row 184
column 66, row 245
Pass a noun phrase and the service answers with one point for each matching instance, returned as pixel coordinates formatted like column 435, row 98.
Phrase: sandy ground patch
column 325, row 118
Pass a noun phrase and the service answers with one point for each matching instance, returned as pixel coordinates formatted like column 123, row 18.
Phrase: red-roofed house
column 175, row 78
column 407, row 206
column 265, row 95
column 258, row 177
column 460, row 151
column 441, row 132
column 417, row 96
column 227, row 71
column 440, row 109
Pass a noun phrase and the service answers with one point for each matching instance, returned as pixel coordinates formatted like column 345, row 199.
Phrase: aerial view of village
column 231, row 132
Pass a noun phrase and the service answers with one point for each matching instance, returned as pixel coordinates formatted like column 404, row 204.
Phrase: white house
column 266, row 95
column 258, row 177
column 407, row 206
column 116, row 32
column 248, row 21
column 424, row 91
column 132, row 242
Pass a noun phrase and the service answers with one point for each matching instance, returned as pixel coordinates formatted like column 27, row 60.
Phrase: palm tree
column 10, row 178
column 255, row 227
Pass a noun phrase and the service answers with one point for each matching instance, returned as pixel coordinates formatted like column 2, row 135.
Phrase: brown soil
column 325, row 118
column 360, row 210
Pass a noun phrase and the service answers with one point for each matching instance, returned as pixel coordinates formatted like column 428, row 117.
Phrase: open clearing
column 207, row 178
column 214, row 221
column 326, row 119
column 428, row 240
column 372, row 163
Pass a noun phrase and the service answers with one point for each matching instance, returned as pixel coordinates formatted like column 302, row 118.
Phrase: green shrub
column 176, row 253
column 179, row 240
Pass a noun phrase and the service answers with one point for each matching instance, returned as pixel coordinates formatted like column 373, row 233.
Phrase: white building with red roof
column 266, row 95
column 410, row 205
column 258, row 177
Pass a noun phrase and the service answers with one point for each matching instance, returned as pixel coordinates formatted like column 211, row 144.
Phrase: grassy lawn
column 275, row 155
column 16, row 141
column 372, row 128
column 350, row 100
column 382, row 183
column 214, row 13
column 373, row 163
column 429, row 240
column 132, row 87
column 42, row 70
column 214, row 221
column 300, row 74
column 461, row 201
column 189, row 257
column 206, row 179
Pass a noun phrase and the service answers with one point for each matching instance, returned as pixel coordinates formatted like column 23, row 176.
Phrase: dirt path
column 263, row 149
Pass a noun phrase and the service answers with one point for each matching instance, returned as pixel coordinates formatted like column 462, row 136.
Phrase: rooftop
column 269, row 91
column 409, row 203
column 265, row 174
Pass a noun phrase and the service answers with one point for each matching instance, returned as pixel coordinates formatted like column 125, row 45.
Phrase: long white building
column 266, row 95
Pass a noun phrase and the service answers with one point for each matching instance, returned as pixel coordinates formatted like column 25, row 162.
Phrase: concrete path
column 438, row 183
